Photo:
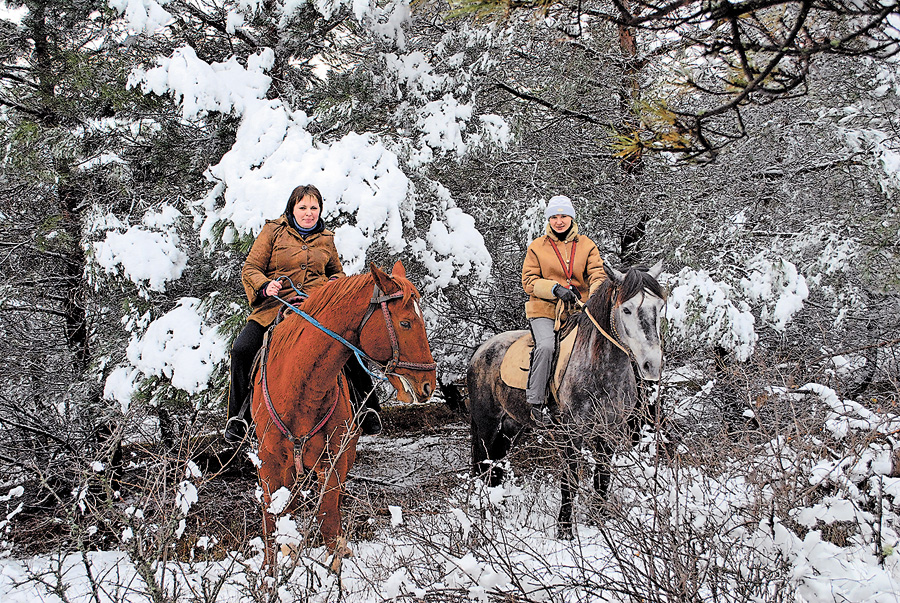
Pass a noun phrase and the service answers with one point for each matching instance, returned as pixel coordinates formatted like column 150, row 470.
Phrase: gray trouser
column 541, row 359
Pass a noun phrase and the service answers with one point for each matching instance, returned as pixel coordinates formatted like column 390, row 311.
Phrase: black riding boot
column 360, row 384
column 243, row 351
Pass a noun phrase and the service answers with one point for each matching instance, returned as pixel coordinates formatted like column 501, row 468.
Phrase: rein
column 394, row 362
column 604, row 333
column 613, row 340
column 612, row 321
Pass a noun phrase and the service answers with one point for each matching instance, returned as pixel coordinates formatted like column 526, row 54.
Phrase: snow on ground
column 707, row 530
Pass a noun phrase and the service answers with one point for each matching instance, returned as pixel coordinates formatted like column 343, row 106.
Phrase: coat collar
column 283, row 222
column 573, row 233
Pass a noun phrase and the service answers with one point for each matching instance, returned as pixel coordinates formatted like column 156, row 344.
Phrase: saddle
column 516, row 362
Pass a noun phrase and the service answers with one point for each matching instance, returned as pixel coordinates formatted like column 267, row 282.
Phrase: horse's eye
column 405, row 324
column 626, row 311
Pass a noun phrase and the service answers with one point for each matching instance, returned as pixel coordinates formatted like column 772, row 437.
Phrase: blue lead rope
column 291, row 283
column 360, row 355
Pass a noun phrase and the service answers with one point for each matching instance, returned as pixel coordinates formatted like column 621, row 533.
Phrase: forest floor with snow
column 766, row 508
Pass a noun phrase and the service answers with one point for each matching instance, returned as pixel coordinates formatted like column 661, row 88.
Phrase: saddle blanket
column 517, row 361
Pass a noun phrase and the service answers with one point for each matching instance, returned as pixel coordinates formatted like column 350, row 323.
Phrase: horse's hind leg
column 491, row 440
column 484, row 433
column 568, row 482
column 504, row 439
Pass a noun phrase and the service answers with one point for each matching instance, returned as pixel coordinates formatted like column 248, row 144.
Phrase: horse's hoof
column 342, row 550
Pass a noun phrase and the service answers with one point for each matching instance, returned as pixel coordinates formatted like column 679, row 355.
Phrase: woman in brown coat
column 296, row 245
column 560, row 267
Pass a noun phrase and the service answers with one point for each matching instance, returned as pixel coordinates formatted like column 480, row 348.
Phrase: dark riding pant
column 360, row 384
column 541, row 360
column 243, row 351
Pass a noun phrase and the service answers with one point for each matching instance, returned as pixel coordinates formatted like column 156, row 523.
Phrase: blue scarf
column 305, row 232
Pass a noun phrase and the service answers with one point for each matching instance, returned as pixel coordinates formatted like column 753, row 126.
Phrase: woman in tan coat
column 560, row 267
column 296, row 245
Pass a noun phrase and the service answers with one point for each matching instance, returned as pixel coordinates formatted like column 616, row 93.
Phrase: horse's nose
column 650, row 369
column 426, row 389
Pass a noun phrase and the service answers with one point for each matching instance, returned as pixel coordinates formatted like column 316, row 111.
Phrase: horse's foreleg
column 276, row 471
column 331, row 468
column 329, row 513
column 602, row 476
column 567, row 483
column 603, row 454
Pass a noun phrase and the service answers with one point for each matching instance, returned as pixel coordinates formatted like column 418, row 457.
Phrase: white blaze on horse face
column 405, row 386
column 636, row 322
column 418, row 309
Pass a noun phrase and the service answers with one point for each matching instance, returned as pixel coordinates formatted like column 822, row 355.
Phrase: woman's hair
column 299, row 193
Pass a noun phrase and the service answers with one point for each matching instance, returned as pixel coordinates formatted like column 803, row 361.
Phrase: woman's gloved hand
column 567, row 295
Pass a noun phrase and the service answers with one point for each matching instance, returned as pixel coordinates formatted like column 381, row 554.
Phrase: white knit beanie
column 559, row 204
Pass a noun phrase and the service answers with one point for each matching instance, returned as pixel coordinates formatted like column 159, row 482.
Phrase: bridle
column 615, row 338
column 379, row 299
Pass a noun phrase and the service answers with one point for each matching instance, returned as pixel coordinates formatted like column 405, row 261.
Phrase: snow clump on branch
column 142, row 16
column 148, row 254
column 179, row 346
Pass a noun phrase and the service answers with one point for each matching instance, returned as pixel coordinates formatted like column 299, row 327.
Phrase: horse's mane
column 608, row 295
column 334, row 293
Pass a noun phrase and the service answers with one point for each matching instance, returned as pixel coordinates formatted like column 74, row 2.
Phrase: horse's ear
column 656, row 270
column 613, row 274
column 398, row 270
column 384, row 282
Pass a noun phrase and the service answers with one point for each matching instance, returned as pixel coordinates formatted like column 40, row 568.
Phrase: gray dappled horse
column 597, row 393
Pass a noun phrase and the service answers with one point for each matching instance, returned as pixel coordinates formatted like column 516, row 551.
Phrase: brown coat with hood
column 542, row 270
column 280, row 250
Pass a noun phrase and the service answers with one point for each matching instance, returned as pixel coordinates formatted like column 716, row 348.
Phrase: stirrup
column 236, row 430
column 370, row 422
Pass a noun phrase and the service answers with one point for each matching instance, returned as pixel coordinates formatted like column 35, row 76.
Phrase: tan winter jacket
column 542, row 270
column 279, row 250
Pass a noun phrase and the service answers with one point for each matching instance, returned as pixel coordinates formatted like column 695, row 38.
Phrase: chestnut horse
column 301, row 408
